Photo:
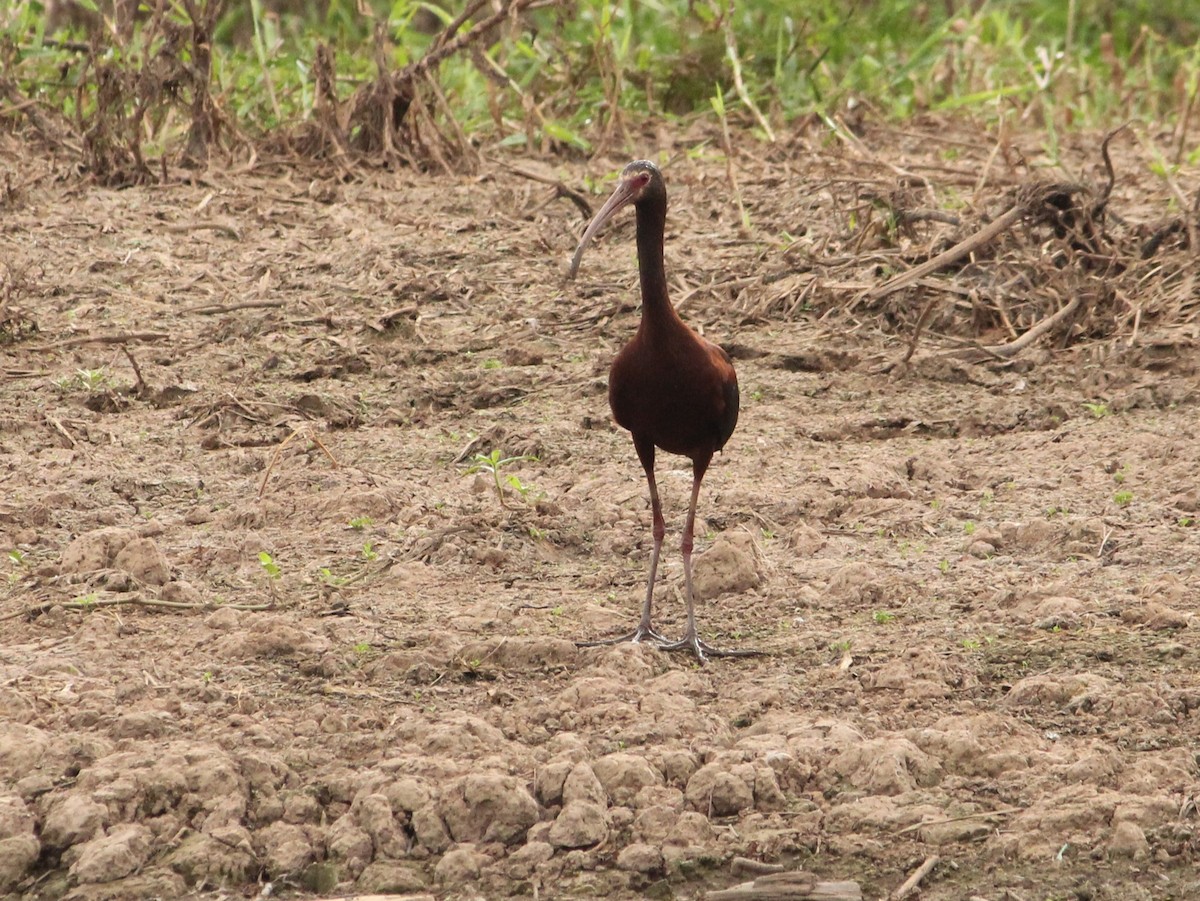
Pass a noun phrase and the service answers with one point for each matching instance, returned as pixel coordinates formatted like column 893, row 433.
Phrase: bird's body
column 676, row 389
column 671, row 389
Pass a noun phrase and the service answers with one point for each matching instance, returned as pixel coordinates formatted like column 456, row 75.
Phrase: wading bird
column 668, row 386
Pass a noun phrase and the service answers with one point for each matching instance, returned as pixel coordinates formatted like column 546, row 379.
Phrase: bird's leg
column 691, row 638
column 644, row 630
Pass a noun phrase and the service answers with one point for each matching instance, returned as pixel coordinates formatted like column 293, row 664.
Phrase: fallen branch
column 137, row 600
column 967, row 816
column 61, row 429
column 967, row 246
column 911, row 883
column 139, row 386
column 181, row 228
column 984, row 353
column 745, row 866
column 560, row 189
column 1012, row 348
column 279, row 451
column 793, row 886
column 214, row 309
column 122, row 338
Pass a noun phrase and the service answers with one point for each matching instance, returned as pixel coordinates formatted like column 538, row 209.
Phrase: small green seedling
column 494, row 463
column 360, row 522
column 1123, row 498
column 944, row 566
column 369, row 552
column 1098, row 411
column 270, row 567
column 329, row 578
column 882, row 617
column 92, row 379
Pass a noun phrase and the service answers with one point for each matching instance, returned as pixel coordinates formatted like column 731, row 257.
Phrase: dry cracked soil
column 308, row 487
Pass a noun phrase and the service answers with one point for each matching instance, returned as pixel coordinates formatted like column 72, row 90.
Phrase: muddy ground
column 264, row 629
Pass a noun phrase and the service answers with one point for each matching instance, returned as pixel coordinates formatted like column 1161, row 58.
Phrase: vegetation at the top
column 127, row 82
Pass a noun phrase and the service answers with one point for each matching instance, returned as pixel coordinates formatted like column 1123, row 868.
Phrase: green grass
column 565, row 77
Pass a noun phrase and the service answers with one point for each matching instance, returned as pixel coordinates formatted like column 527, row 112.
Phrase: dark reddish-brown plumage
column 669, row 387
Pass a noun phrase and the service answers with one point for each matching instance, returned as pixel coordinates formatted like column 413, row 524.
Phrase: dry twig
column 179, row 228
column 214, row 309
column 794, row 886
column 139, row 386
column 560, row 189
column 967, row 246
column 279, row 451
column 1012, row 348
column 122, row 338
column 966, row 816
column 133, row 599
column 911, row 883
column 745, row 866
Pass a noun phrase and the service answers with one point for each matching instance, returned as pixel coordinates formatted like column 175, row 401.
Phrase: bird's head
column 640, row 182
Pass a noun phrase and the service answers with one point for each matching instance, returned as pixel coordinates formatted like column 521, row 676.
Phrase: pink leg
column 644, row 630
column 691, row 638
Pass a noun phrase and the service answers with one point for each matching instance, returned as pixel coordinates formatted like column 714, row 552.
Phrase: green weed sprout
column 270, row 567
column 494, row 463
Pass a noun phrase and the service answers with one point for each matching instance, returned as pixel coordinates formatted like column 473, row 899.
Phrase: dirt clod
column 640, row 858
column 579, row 824
column 74, row 819
column 387, row 877
column 1128, row 840
column 582, row 785
column 107, row 858
column 460, row 865
column 731, row 564
column 488, row 807
column 624, row 775
column 716, row 791
column 19, row 846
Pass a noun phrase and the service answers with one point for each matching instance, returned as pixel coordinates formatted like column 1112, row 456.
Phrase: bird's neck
column 656, row 306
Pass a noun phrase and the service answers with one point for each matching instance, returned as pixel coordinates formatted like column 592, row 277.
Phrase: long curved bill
column 620, row 197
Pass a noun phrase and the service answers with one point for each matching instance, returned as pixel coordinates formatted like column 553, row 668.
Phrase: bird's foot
column 703, row 650
column 644, row 632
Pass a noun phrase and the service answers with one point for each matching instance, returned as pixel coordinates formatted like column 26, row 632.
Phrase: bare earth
column 262, row 624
